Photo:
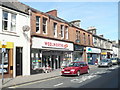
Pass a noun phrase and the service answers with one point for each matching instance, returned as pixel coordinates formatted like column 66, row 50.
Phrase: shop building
column 93, row 55
column 78, row 52
column 105, row 45
column 48, row 52
column 13, row 21
column 49, row 26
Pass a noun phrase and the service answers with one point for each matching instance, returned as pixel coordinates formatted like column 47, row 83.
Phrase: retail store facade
column 93, row 54
column 48, row 52
column 17, row 42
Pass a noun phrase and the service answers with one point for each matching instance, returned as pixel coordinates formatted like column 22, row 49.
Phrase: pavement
column 32, row 78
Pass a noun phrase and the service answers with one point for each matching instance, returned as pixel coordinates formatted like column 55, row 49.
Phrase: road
column 97, row 78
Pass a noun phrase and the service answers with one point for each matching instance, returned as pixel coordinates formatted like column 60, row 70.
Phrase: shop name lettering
column 56, row 44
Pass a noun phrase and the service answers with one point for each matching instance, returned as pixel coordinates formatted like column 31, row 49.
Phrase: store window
column 36, row 62
column 6, row 61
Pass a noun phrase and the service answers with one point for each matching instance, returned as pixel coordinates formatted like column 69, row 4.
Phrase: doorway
column 19, row 53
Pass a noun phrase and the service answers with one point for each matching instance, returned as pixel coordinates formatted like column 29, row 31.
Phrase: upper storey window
column 66, row 32
column 55, row 29
column 13, row 22
column 38, row 24
column 44, row 25
column 8, row 21
column 62, row 31
column 5, row 21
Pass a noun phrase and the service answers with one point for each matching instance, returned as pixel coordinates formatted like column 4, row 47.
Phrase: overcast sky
column 102, row 15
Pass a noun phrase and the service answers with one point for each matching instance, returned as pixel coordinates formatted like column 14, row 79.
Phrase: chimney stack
column 76, row 23
column 92, row 29
column 52, row 12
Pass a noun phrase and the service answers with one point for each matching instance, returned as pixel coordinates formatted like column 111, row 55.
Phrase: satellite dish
column 25, row 28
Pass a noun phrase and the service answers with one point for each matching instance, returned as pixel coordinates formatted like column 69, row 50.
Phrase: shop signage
column 104, row 53
column 56, row 44
column 43, row 43
column 78, row 48
column 8, row 45
column 92, row 50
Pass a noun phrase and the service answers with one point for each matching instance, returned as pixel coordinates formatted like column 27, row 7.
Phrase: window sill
column 9, row 33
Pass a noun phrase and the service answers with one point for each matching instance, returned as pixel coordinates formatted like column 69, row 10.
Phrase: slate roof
column 15, row 5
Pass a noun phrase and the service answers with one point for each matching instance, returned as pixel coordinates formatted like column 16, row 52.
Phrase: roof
column 102, row 38
column 15, row 5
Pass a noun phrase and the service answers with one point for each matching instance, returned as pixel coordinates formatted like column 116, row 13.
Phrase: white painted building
column 17, row 55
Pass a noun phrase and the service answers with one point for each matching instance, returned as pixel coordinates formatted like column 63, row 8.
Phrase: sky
column 102, row 15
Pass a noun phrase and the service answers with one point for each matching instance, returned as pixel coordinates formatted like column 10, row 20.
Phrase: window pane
column 44, row 25
column 5, row 15
column 37, row 23
column 5, row 25
column 13, row 22
column 44, row 28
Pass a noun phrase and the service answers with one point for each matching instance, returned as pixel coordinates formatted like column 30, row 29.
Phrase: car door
column 82, row 68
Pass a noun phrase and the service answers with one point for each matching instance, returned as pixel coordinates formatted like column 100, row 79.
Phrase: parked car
column 115, row 60
column 105, row 62
column 75, row 68
column 64, row 64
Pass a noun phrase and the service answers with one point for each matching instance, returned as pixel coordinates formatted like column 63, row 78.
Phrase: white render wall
column 19, row 39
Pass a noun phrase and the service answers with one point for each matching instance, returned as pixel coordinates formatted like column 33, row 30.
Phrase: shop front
column 78, row 52
column 106, row 54
column 93, row 55
column 8, row 59
column 47, row 52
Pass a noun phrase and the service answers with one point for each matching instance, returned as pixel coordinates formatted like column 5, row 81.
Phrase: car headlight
column 105, row 63
column 72, row 70
column 63, row 70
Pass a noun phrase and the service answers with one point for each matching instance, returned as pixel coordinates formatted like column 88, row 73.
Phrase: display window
column 6, row 61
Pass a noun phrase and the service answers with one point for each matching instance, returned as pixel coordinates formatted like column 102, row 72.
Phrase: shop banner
column 43, row 43
column 93, row 50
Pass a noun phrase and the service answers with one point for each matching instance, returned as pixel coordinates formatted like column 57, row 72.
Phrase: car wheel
column 78, row 73
column 88, row 71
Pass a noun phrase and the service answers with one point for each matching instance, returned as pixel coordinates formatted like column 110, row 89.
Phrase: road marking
column 33, row 82
column 58, row 84
column 74, row 80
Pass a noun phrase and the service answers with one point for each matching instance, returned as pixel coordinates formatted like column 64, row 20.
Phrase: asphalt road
column 97, row 78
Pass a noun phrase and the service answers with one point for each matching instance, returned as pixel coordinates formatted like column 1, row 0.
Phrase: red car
column 75, row 68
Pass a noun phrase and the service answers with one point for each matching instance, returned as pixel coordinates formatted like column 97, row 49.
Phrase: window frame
column 38, row 26
column 44, row 24
column 62, row 31
column 10, row 21
column 3, row 20
column 55, row 29
column 66, row 32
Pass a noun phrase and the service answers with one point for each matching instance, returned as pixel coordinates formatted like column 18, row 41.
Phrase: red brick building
column 55, row 41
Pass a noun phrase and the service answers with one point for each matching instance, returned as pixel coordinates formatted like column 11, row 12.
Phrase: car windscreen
column 104, row 60
column 74, row 64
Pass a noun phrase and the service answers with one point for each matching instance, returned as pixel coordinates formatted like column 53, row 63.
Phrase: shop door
column 18, row 61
